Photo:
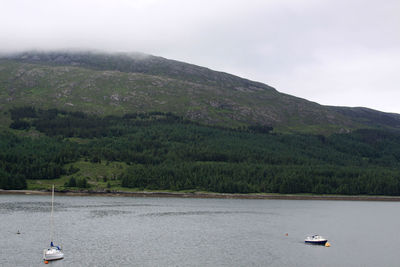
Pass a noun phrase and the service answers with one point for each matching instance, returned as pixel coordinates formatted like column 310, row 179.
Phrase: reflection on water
column 122, row 231
column 110, row 205
column 184, row 213
column 26, row 206
column 104, row 213
column 42, row 206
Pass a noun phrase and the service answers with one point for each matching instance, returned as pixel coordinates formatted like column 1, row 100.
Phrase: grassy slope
column 94, row 172
column 120, row 83
column 115, row 92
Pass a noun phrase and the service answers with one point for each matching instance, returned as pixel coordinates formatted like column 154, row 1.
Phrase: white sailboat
column 53, row 252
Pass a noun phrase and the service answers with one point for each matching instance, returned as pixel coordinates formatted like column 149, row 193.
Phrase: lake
column 128, row 231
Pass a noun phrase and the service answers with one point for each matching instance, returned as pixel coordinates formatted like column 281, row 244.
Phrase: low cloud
column 331, row 52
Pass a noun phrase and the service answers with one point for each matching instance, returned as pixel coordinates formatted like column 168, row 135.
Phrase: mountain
column 140, row 122
column 115, row 84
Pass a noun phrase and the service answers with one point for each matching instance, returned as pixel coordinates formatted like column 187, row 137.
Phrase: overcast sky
column 334, row 52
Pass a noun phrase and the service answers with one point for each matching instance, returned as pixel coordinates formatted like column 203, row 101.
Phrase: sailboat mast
column 51, row 217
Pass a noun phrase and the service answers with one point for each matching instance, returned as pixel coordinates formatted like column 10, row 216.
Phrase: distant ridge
column 119, row 83
column 137, row 63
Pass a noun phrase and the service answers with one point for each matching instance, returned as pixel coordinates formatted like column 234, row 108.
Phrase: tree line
column 165, row 151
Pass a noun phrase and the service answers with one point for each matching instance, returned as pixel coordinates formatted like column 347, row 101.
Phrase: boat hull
column 320, row 242
column 52, row 254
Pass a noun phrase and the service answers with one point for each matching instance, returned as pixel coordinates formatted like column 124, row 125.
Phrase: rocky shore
column 204, row 195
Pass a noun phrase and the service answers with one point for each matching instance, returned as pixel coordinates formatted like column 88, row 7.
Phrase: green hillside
column 115, row 84
column 95, row 121
column 162, row 151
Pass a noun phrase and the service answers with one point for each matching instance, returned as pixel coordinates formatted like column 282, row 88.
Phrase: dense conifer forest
column 165, row 151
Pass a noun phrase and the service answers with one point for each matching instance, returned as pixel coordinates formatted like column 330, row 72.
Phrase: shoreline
column 202, row 195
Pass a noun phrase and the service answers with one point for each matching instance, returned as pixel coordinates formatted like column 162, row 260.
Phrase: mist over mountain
column 120, row 83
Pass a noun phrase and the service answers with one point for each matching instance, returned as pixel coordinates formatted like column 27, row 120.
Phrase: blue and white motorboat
column 316, row 240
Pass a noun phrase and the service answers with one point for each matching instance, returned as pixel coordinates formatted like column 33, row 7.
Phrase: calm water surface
column 125, row 231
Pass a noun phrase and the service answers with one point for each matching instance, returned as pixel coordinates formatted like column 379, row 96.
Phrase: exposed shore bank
column 204, row 195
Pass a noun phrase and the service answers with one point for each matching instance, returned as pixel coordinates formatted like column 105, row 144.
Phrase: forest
column 166, row 152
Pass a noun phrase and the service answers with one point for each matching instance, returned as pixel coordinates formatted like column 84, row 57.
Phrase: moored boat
column 316, row 240
column 53, row 252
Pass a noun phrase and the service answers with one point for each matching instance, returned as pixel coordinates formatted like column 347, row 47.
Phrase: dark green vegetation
column 165, row 151
column 116, row 84
column 93, row 120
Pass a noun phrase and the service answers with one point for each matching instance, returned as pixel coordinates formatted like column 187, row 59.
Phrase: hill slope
column 122, row 83
column 157, row 151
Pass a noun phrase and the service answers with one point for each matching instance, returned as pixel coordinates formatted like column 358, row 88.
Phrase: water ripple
column 191, row 213
column 106, row 213
column 28, row 206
